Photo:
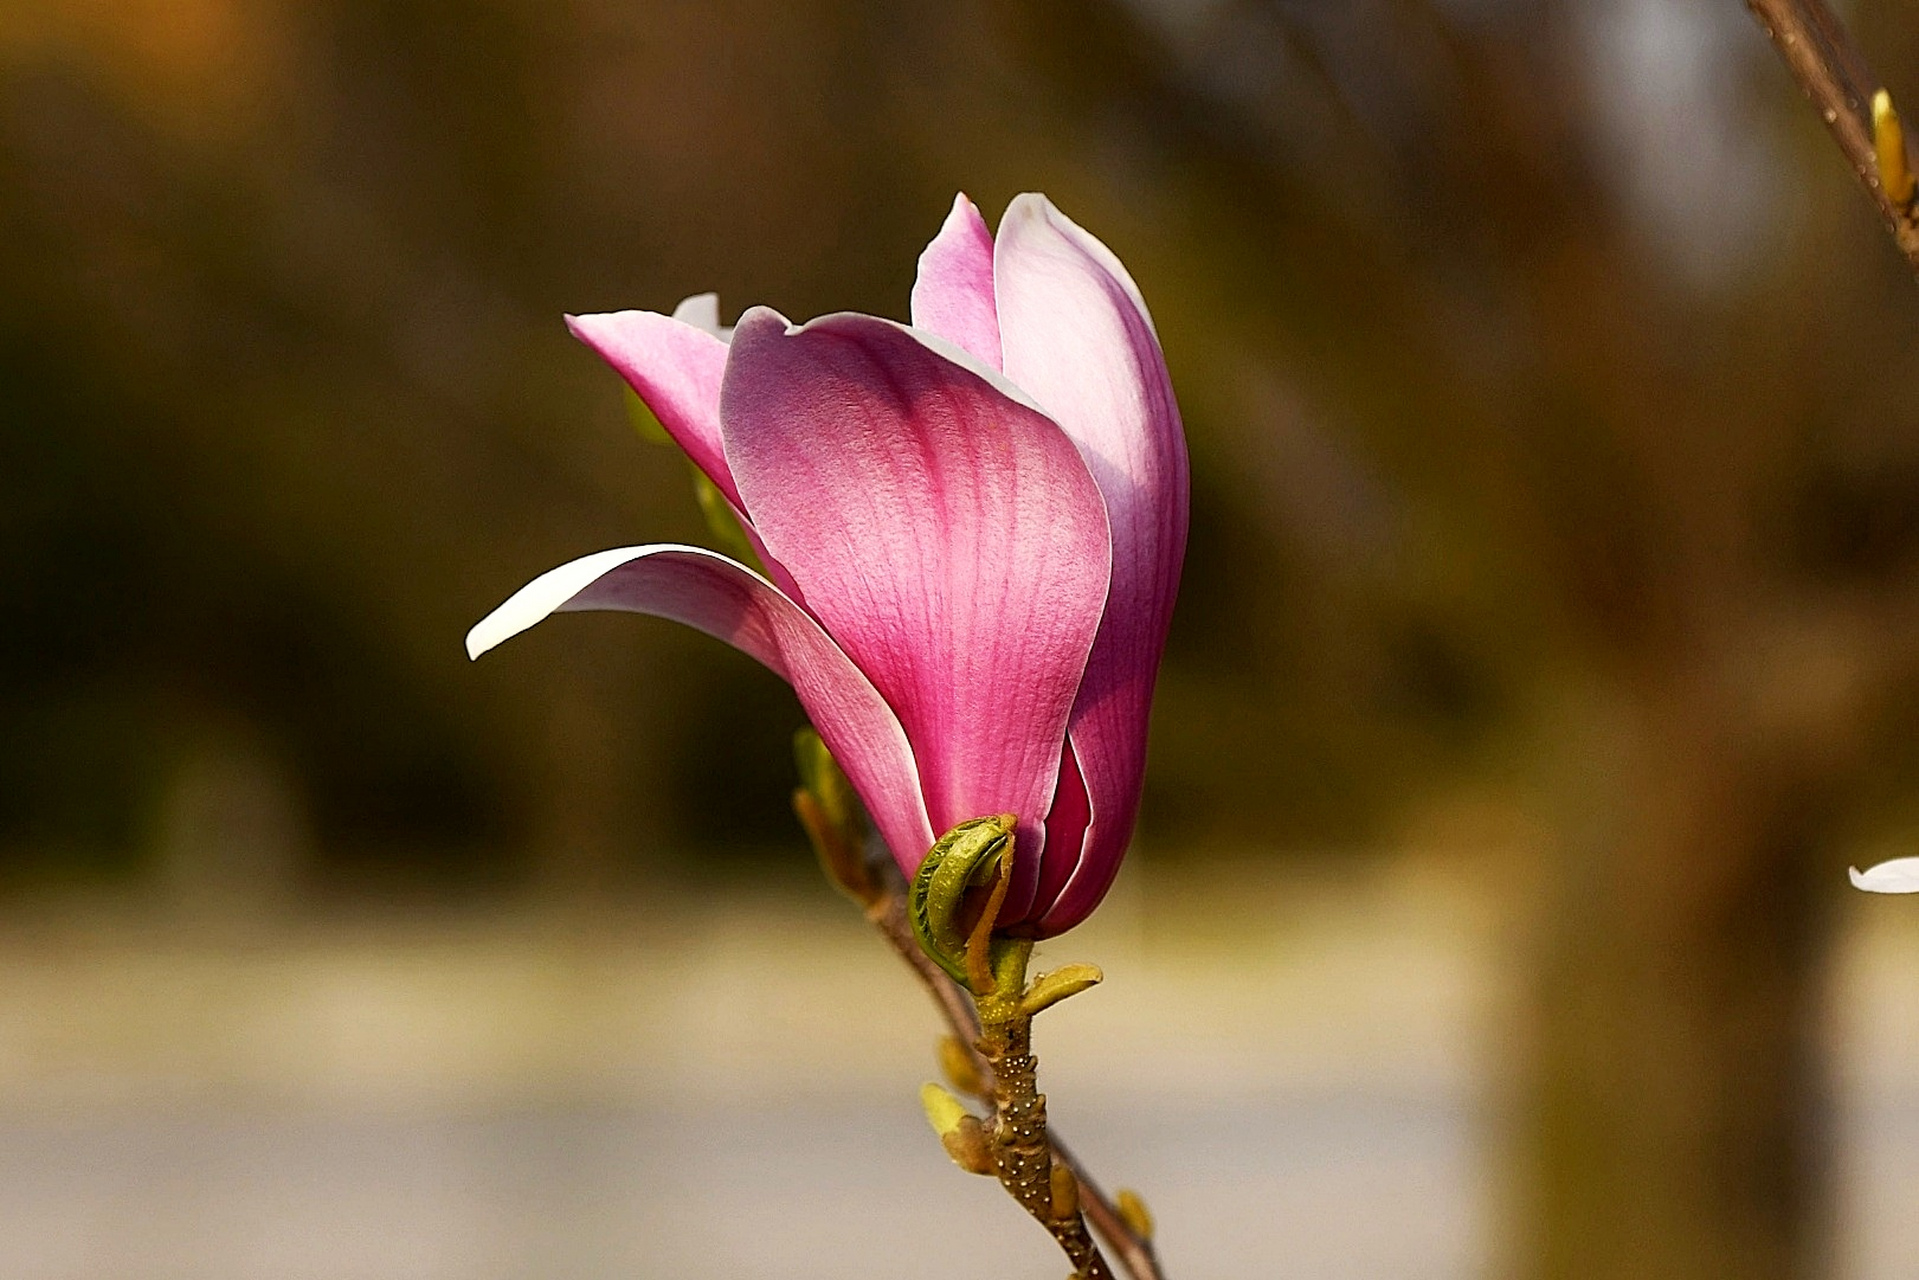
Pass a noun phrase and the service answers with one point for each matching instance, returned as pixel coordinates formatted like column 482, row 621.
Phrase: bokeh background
column 1549, row 645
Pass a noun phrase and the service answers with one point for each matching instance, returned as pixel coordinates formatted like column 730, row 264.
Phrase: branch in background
column 1835, row 78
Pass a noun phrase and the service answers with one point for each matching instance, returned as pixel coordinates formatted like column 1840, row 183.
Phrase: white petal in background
column 1901, row 875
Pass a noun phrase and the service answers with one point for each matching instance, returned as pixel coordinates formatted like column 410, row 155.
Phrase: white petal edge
column 539, row 599
column 1901, row 875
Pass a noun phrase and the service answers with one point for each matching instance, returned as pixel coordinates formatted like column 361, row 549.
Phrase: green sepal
column 718, row 512
column 964, row 858
column 721, row 522
column 820, row 773
column 833, row 817
column 643, row 419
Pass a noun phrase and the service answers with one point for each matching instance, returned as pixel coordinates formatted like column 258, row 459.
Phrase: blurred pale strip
column 1308, row 981
column 728, row 1088
column 1301, row 1066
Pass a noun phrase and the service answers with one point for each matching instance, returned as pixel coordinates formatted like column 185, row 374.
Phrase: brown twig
column 888, row 914
column 1135, row 1252
column 1836, row 79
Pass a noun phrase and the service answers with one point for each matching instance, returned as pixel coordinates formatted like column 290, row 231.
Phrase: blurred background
column 1549, row 645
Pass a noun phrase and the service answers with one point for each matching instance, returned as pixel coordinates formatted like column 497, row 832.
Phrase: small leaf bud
column 968, row 1148
column 835, row 823
column 1889, row 151
column 956, row 1061
column 960, row 1131
column 1065, row 1192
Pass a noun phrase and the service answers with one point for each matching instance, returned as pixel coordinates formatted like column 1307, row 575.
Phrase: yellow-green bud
column 943, row 1110
column 959, row 1065
column 1889, row 150
column 1134, row 1213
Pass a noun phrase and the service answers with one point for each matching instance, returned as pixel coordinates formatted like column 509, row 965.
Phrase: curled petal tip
column 500, row 626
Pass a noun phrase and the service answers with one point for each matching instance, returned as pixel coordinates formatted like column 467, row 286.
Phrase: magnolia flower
column 1901, row 875
column 972, row 529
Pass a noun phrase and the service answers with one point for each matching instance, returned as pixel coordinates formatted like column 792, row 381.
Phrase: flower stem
column 1135, row 1254
column 992, row 1031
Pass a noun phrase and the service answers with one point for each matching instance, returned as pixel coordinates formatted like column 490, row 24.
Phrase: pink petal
column 675, row 365
column 1065, row 828
column 1078, row 339
column 726, row 599
column 945, row 533
column 953, row 296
